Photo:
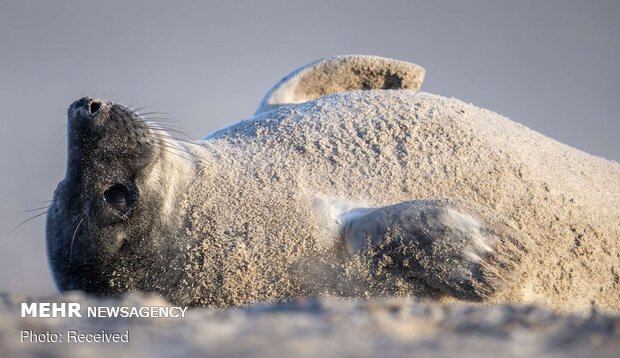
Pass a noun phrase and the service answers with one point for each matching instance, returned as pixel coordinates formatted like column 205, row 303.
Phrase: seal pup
column 346, row 181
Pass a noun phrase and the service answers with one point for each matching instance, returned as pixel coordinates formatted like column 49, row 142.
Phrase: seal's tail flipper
column 342, row 74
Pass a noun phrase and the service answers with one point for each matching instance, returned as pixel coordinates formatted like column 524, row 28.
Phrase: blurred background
column 550, row 65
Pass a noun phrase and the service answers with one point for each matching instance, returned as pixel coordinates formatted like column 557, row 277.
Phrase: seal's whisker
column 184, row 172
column 151, row 107
column 188, row 141
column 61, row 139
column 158, row 124
column 174, row 150
column 141, row 114
column 167, row 133
column 173, row 131
column 184, row 141
column 172, row 145
column 27, row 220
column 177, row 152
column 138, row 109
column 180, row 155
column 162, row 124
column 35, row 209
column 59, row 128
column 160, row 134
column 179, row 148
column 90, row 231
column 161, row 121
column 73, row 238
column 166, row 139
column 135, row 107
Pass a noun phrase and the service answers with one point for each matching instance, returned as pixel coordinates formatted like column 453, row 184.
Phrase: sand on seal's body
column 384, row 147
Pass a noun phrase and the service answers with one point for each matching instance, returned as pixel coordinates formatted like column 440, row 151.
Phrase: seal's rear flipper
column 458, row 248
column 342, row 74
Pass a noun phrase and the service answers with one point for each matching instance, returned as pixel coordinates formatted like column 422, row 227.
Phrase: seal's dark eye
column 116, row 204
column 116, row 195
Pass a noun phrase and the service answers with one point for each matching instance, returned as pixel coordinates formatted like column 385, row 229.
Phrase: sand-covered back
column 250, row 210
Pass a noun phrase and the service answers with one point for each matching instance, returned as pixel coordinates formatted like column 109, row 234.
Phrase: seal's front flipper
column 342, row 74
column 458, row 248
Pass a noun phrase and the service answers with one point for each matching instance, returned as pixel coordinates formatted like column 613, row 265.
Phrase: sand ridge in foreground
column 325, row 328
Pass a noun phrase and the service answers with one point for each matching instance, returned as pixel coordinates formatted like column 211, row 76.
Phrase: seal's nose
column 90, row 105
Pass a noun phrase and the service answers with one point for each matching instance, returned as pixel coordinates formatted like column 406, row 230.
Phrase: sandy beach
column 321, row 328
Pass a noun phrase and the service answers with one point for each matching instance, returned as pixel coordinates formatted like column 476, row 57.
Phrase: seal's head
column 112, row 211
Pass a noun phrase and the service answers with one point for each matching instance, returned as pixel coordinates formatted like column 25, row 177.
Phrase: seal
column 346, row 181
